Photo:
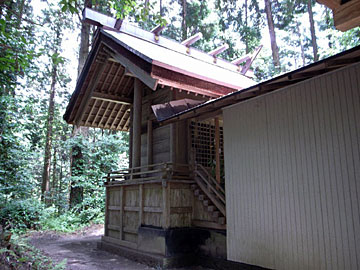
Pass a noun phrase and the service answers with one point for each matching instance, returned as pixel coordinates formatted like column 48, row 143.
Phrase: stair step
column 197, row 192
column 194, row 186
column 206, row 202
column 216, row 214
column 211, row 208
column 201, row 197
column 221, row 220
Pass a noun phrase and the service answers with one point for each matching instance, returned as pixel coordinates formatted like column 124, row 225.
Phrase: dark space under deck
column 183, row 247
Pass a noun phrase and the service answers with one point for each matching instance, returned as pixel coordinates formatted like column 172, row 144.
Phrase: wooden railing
column 210, row 187
column 159, row 171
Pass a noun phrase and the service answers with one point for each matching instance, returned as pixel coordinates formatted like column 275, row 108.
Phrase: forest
column 51, row 173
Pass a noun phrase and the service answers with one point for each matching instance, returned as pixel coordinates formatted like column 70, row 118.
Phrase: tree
column 56, row 22
column 274, row 46
column 312, row 30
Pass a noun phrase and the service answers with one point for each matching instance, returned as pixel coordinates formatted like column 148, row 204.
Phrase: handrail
column 210, row 187
column 165, row 171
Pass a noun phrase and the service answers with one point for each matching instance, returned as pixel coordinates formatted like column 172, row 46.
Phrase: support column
column 149, row 142
column 136, row 149
column 217, row 149
column 131, row 138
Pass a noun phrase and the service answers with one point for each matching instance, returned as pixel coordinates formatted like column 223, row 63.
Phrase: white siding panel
column 292, row 167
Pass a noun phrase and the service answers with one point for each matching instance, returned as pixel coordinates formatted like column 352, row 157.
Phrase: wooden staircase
column 212, row 195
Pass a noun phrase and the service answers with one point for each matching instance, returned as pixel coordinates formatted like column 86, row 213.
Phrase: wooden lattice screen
column 203, row 144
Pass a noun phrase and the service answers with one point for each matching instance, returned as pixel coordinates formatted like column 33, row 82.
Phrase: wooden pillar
column 141, row 204
column 149, row 142
column 121, row 212
column 166, row 204
column 217, row 149
column 173, row 133
column 106, row 231
column 136, row 142
column 131, row 139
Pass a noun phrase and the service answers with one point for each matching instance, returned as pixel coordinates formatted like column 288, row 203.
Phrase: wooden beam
column 114, row 79
column 219, row 50
column 106, row 77
column 137, row 71
column 90, row 113
column 97, row 113
column 122, row 118
column 217, row 149
column 86, row 99
column 157, row 31
column 330, row 3
column 137, row 123
column 240, row 60
column 111, row 98
column 111, row 113
column 347, row 16
column 104, row 115
column 191, row 40
column 117, row 115
column 126, row 126
column 208, row 224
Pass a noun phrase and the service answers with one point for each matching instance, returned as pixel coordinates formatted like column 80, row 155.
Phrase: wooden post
column 106, row 231
column 149, row 142
column 141, row 204
column 121, row 212
column 217, row 149
column 131, row 139
column 136, row 149
column 166, row 204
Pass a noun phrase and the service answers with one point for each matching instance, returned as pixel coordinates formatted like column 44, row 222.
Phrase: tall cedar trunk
column 247, row 50
column 77, row 169
column 312, row 29
column 76, row 192
column 45, row 187
column 183, row 26
column 84, row 42
column 54, row 179
column 301, row 44
column 270, row 20
column 161, row 9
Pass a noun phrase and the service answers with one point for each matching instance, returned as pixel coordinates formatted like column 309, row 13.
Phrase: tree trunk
column 84, row 41
column 247, row 50
column 76, row 167
column 45, row 187
column 183, row 25
column 300, row 42
column 161, row 9
column 312, row 29
column 274, row 47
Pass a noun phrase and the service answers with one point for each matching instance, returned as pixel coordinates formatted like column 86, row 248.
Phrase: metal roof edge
column 259, row 85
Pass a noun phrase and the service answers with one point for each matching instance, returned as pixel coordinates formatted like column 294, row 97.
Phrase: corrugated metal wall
column 292, row 163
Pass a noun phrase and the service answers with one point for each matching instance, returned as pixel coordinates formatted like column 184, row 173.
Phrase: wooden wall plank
column 292, row 164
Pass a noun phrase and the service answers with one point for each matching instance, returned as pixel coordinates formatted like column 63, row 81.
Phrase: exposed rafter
column 346, row 13
column 191, row 40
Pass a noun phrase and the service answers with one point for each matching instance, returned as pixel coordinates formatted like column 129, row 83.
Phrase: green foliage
column 21, row 255
column 21, row 214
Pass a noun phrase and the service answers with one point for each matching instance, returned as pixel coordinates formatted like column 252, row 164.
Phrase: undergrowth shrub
column 20, row 255
column 21, row 214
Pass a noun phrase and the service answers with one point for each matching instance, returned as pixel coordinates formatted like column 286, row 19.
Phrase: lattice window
column 203, row 144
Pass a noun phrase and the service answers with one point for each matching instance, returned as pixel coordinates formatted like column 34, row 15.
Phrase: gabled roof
column 213, row 107
column 121, row 52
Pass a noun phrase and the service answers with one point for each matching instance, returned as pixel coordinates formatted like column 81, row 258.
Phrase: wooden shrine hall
column 171, row 200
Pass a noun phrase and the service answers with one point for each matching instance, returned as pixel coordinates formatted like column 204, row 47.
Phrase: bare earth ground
column 80, row 251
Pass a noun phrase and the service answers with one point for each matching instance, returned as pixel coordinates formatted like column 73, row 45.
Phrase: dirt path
column 80, row 251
